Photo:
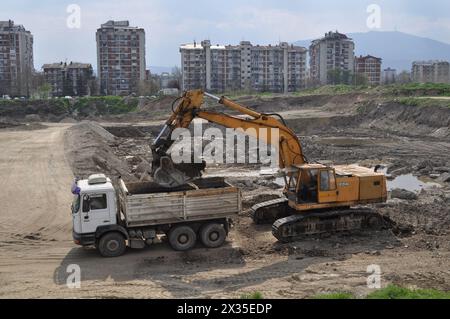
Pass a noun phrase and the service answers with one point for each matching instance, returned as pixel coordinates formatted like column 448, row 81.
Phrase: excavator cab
column 312, row 184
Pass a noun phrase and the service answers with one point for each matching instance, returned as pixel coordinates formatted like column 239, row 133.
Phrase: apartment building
column 120, row 57
column 389, row 76
column 335, row 51
column 68, row 79
column 431, row 72
column 370, row 67
column 165, row 80
column 219, row 68
column 16, row 59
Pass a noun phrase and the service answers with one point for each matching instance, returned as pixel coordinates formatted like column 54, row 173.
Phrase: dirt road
column 34, row 182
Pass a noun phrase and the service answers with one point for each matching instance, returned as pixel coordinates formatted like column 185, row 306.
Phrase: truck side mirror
column 86, row 204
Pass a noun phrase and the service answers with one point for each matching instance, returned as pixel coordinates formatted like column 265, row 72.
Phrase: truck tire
column 112, row 245
column 182, row 238
column 213, row 235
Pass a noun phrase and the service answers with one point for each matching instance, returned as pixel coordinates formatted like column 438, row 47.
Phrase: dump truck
column 113, row 217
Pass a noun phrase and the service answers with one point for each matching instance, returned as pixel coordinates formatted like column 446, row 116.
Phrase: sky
column 169, row 23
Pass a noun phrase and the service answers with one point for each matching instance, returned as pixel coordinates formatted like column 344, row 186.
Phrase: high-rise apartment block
column 16, row 59
column 335, row 51
column 120, row 57
column 431, row 71
column 370, row 67
column 389, row 76
column 219, row 68
column 68, row 79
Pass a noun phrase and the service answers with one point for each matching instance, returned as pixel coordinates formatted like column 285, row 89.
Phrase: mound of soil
column 90, row 150
column 405, row 119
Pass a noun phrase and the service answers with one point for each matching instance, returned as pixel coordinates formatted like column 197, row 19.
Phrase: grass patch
column 105, row 104
column 336, row 295
column 392, row 292
column 405, row 90
column 332, row 90
column 396, row 292
column 408, row 89
column 9, row 102
column 418, row 89
column 253, row 295
column 423, row 101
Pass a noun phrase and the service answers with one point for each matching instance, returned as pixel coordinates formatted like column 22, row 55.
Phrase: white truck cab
column 94, row 209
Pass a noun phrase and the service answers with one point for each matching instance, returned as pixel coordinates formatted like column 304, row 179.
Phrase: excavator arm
column 189, row 107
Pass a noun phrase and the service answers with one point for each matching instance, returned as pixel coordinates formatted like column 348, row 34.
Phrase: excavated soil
column 408, row 141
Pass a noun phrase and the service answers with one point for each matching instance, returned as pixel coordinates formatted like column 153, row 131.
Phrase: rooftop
column 430, row 62
column 355, row 170
column 207, row 43
column 332, row 36
column 86, row 187
column 368, row 57
column 62, row 65
column 10, row 26
column 125, row 24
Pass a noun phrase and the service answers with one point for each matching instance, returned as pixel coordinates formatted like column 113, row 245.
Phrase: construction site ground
column 39, row 160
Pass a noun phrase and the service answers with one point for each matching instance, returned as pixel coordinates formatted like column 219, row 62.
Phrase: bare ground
column 37, row 168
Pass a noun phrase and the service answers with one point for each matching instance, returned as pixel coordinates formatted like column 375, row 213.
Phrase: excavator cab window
column 327, row 180
column 307, row 188
column 293, row 182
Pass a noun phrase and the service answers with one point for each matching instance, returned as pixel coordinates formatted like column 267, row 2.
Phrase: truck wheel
column 213, row 235
column 112, row 245
column 182, row 238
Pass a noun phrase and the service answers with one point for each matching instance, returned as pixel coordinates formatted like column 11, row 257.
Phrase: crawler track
column 296, row 227
column 270, row 211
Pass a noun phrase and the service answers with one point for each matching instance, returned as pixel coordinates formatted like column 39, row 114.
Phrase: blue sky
column 168, row 23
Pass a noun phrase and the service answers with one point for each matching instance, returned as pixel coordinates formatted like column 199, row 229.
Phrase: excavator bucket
column 170, row 175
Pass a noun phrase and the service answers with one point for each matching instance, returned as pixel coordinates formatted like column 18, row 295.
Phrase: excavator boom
column 189, row 107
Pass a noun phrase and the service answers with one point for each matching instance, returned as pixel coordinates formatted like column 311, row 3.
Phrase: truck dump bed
column 147, row 204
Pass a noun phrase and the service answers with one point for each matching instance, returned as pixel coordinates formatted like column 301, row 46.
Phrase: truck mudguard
column 110, row 228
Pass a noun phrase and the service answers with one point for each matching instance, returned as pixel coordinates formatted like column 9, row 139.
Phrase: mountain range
column 397, row 49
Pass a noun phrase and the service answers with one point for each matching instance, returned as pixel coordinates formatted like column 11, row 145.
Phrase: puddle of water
column 410, row 183
column 280, row 181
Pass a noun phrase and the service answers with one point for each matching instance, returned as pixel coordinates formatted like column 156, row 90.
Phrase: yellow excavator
column 318, row 198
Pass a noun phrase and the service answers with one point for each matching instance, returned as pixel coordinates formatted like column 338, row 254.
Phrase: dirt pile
column 90, row 150
column 285, row 103
column 31, row 111
column 156, row 104
column 406, row 120
column 64, row 110
column 8, row 123
column 428, row 212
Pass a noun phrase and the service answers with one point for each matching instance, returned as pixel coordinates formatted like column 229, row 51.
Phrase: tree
column 404, row 77
column 174, row 84
column 346, row 77
column 148, row 87
column 37, row 80
column 360, row 79
column 43, row 92
column 338, row 76
column 93, row 86
column 177, row 78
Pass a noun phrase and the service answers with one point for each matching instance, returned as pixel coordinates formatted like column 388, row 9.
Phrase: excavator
column 317, row 199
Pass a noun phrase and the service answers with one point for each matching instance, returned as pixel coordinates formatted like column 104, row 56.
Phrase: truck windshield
column 76, row 204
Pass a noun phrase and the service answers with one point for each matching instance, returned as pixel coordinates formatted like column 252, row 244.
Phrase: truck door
column 76, row 211
column 95, row 212
column 327, row 186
